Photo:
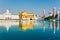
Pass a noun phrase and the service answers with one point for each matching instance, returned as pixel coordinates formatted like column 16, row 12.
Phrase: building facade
column 25, row 15
column 8, row 15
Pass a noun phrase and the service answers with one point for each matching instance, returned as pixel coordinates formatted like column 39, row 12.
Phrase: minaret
column 44, row 12
column 54, row 12
column 58, row 14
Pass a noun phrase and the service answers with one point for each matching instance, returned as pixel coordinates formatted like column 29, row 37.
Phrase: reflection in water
column 44, row 26
column 54, row 25
column 57, row 25
column 8, row 23
column 51, row 25
column 26, row 25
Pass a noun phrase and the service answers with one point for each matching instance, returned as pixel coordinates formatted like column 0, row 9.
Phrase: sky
column 36, row 6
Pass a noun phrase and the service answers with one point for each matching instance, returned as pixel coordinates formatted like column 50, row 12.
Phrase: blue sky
column 36, row 6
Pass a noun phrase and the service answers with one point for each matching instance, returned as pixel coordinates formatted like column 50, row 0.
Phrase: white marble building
column 8, row 15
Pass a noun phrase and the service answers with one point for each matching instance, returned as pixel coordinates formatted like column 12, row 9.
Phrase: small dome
column 7, row 12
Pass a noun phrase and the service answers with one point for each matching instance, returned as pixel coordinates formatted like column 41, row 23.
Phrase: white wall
column 10, row 16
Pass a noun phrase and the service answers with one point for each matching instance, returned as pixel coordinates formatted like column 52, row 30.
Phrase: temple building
column 8, row 15
column 26, row 15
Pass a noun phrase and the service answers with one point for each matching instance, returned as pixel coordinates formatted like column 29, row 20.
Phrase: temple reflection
column 30, row 25
column 8, row 23
column 58, row 26
column 44, row 26
column 51, row 24
column 26, row 25
column 54, row 26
